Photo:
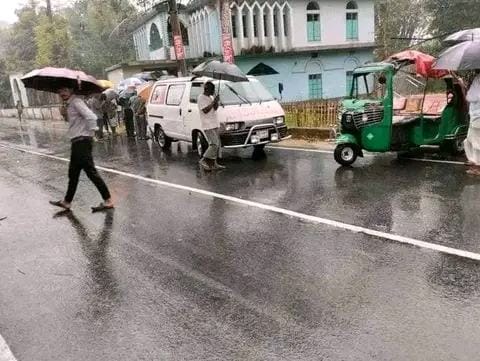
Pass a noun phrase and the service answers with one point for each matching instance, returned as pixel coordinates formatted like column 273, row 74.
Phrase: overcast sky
column 7, row 8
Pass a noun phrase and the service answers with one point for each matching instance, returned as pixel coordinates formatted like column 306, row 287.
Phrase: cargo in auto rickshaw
column 401, row 105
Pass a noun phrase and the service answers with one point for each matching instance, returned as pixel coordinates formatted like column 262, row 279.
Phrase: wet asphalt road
column 174, row 275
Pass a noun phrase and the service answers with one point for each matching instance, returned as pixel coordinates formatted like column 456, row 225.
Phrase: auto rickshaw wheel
column 346, row 154
column 453, row 146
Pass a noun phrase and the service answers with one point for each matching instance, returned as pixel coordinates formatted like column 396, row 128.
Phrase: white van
column 248, row 114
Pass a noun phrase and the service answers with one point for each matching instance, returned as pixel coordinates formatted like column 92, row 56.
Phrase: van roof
column 187, row 79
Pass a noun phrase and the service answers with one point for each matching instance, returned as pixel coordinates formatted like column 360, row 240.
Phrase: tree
column 22, row 42
column 53, row 42
column 451, row 16
column 397, row 22
column 100, row 36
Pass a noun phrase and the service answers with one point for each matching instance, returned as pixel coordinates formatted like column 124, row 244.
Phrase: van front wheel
column 201, row 144
column 346, row 154
column 163, row 140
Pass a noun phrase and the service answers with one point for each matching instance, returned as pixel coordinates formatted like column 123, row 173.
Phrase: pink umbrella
column 52, row 79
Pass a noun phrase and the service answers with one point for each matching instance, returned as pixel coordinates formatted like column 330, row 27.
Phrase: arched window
column 183, row 30
column 313, row 21
column 352, row 21
column 156, row 41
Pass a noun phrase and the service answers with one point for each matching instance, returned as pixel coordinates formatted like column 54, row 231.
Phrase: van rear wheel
column 163, row 140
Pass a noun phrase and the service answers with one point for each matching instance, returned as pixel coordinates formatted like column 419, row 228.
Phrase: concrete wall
column 44, row 113
column 294, row 72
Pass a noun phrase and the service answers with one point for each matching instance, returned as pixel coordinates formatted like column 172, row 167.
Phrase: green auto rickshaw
column 401, row 105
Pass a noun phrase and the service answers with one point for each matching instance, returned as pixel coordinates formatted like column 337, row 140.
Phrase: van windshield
column 249, row 91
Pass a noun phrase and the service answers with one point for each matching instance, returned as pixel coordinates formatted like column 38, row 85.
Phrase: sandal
column 101, row 207
column 60, row 204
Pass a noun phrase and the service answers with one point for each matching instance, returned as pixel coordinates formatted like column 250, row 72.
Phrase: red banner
column 226, row 25
column 179, row 48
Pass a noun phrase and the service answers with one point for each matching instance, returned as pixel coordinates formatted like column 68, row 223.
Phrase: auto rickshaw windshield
column 369, row 86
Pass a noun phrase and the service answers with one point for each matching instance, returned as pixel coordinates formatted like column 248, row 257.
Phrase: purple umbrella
column 52, row 79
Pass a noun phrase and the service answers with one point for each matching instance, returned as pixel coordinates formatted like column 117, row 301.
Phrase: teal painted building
column 299, row 49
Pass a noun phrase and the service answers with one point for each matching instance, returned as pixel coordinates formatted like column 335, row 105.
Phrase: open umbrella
column 145, row 90
column 222, row 71
column 110, row 94
column 463, row 56
column 107, row 84
column 463, row 35
column 423, row 63
column 52, row 79
column 130, row 82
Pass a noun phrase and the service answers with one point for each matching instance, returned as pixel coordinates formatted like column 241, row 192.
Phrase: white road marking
column 326, row 151
column 286, row 212
column 5, row 353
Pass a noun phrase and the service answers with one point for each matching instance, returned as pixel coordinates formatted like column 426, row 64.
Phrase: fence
column 50, row 112
column 312, row 113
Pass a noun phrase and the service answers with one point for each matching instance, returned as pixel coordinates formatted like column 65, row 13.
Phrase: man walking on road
column 82, row 126
column 208, row 106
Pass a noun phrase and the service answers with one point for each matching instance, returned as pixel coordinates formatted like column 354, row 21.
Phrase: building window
column 265, row 25
column 315, row 86
column 244, row 26
column 275, row 25
column 155, row 39
column 352, row 21
column 234, row 26
column 255, row 27
column 349, row 82
column 313, row 22
column 285, row 24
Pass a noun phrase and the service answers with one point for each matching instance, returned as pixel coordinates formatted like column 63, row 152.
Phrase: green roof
column 373, row 67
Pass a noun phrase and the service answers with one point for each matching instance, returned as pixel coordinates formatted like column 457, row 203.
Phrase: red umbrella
column 424, row 63
column 52, row 79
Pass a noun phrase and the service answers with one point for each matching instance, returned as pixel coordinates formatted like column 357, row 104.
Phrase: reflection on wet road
column 173, row 275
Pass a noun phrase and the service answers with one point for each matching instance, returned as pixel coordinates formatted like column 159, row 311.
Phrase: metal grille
column 374, row 115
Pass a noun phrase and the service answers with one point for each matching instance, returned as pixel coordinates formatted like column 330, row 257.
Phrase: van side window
column 175, row 94
column 159, row 93
column 197, row 89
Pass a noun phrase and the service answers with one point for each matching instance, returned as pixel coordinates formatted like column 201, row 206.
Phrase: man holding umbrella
column 208, row 105
column 82, row 127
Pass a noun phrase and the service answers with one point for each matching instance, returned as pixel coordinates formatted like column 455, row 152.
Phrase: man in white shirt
column 208, row 105
column 82, row 125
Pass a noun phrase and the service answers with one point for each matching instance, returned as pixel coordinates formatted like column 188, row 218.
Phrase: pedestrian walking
column 82, row 126
column 19, row 107
column 208, row 105
column 128, row 112
column 109, row 111
column 95, row 105
column 472, row 143
column 140, row 111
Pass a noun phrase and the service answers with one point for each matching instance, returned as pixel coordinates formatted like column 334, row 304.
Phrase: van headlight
column 229, row 127
column 279, row 120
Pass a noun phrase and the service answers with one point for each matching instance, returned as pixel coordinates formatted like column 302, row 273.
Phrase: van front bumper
column 243, row 138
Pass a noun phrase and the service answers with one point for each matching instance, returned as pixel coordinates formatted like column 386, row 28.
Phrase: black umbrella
column 262, row 69
column 463, row 56
column 221, row 71
column 52, row 79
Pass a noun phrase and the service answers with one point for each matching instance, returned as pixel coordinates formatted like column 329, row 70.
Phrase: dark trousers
column 129, row 125
column 81, row 159
column 141, row 121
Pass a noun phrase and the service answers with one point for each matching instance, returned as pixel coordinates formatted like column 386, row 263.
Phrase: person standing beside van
column 208, row 105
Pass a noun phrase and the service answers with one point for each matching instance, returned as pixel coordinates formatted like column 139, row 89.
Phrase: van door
column 156, row 106
column 192, row 117
column 173, row 111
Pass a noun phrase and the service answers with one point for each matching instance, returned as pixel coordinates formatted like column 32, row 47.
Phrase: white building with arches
column 299, row 49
